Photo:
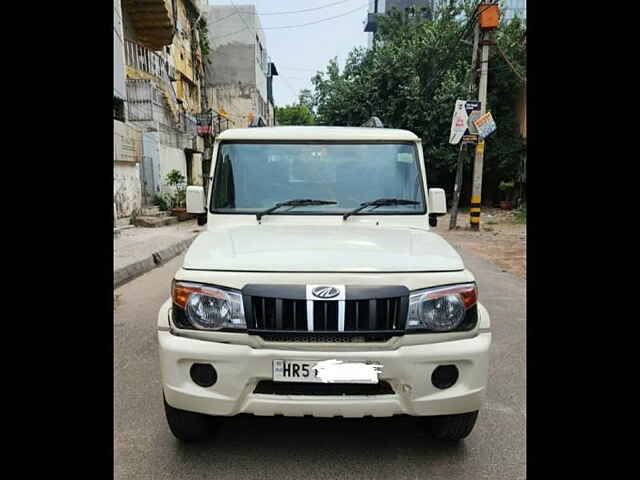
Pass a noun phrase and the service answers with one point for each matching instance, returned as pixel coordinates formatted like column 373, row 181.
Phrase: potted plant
column 177, row 201
column 507, row 188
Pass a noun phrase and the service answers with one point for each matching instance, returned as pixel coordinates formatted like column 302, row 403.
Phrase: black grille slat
column 270, row 387
column 355, row 324
column 325, row 318
column 362, row 321
column 386, row 313
column 373, row 314
column 301, row 306
column 396, row 305
column 293, row 303
column 278, row 313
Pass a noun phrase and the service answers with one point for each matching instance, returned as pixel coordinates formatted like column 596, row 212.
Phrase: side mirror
column 437, row 205
column 196, row 203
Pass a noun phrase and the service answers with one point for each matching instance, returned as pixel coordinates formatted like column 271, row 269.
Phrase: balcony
column 146, row 103
column 153, row 21
column 139, row 57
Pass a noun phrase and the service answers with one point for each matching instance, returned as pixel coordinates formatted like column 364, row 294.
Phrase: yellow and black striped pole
column 474, row 212
column 476, row 195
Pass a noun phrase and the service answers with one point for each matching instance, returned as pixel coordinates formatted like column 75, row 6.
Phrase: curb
column 133, row 270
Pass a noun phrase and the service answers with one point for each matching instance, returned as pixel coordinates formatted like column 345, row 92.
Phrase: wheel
column 202, row 219
column 453, row 427
column 187, row 426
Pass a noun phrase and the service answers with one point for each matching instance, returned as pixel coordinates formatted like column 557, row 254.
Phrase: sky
column 299, row 52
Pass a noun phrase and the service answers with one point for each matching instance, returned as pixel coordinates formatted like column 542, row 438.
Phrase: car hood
column 321, row 248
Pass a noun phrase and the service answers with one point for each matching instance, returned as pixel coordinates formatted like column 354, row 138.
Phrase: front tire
column 453, row 428
column 187, row 426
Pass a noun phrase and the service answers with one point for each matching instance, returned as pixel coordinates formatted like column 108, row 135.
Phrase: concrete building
column 164, row 71
column 509, row 8
column 239, row 71
column 380, row 7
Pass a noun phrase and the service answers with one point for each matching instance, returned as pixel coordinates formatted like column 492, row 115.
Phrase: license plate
column 294, row 371
column 303, row 371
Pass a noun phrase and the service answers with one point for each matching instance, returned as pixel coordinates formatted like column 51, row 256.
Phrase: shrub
column 161, row 202
column 175, row 179
column 521, row 214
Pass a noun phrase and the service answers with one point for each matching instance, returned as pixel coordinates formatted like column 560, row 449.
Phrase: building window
column 118, row 109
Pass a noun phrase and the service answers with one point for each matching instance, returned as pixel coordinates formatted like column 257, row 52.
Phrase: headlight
column 444, row 309
column 206, row 307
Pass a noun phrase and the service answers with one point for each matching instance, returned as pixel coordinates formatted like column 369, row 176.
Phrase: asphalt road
column 307, row 448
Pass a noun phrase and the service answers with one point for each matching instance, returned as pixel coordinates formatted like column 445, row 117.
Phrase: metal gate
column 150, row 168
column 148, row 182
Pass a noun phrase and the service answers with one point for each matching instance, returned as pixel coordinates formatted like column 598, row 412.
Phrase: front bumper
column 240, row 367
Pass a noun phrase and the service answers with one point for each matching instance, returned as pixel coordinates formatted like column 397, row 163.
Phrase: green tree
column 294, row 115
column 411, row 77
column 306, row 98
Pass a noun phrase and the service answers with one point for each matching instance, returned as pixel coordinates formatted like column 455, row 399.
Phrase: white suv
column 319, row 289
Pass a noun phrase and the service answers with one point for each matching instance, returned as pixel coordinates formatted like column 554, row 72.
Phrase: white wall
column 196, row 169
column 171, row 158
column 127, row 190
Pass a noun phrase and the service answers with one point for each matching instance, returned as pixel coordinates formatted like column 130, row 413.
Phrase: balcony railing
column 143, row 59
column 145, row 102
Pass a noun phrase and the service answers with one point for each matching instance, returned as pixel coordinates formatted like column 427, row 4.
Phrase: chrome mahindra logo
column 325, row 292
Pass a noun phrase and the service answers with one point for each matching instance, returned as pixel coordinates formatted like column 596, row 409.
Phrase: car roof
column 318, row 133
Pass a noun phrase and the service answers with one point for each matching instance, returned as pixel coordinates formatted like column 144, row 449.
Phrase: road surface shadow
column 343, row 445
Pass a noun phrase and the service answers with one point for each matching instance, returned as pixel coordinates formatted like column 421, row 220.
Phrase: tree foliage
column 306, row 98
column 294, row 115
column 411, row 77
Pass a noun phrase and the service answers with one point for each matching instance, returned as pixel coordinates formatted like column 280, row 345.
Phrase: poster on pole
column 458, row 122
column 472, row 105
column 485, row 125
column 470, row 139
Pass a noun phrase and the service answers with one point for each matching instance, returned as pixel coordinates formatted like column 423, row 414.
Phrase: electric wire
column 282, row 27
column 305, row 10
column 280, row 13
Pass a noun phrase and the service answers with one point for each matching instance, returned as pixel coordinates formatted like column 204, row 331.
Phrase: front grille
column 286, row 314
column 270, row 387
column 284, row 309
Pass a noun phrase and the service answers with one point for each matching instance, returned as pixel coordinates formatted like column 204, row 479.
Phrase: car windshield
column 251, row 177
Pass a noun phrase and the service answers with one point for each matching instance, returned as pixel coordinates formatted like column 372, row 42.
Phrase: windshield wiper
column 381, row 202
column 298, row 202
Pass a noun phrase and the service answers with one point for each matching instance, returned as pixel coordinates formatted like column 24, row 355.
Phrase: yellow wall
column 181, row 46
column 181, row 56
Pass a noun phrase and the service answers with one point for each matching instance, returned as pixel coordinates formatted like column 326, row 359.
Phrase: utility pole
column 476, row 195
column 463, row 147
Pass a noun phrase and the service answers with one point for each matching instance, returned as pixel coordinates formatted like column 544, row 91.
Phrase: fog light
column 203, row 374
column 444, row 376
